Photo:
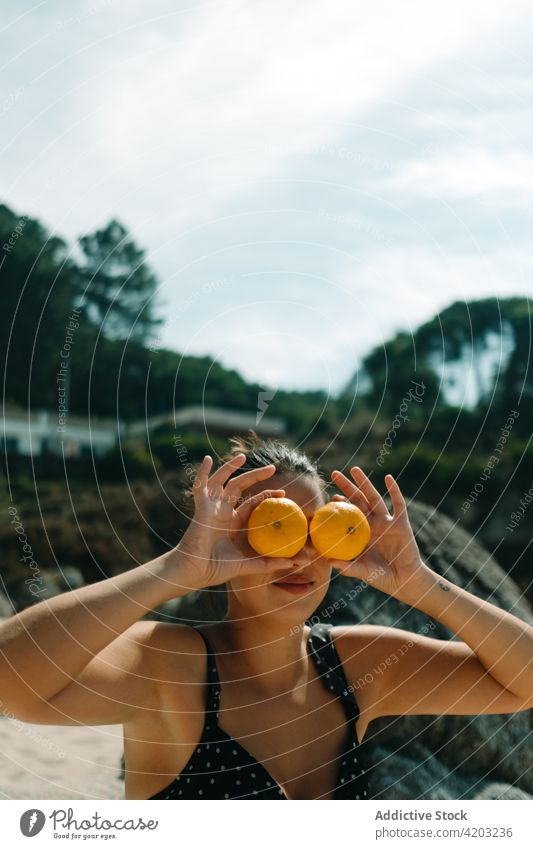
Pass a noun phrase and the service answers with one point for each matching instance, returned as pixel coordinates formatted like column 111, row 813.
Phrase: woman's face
column 251, row 595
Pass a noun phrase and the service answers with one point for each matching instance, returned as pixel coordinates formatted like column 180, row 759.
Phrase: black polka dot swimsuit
column 220, row 768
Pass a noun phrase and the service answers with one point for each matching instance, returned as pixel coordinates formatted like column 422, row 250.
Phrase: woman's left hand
column 391, row 562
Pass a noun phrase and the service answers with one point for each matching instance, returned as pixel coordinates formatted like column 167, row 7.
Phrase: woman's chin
column 288, row 603
column 295, row 605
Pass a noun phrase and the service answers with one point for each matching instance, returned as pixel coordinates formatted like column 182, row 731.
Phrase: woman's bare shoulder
column 363, row 645
column 360, row 649
column 176, row 651
column 161, row 634
column 362, row 636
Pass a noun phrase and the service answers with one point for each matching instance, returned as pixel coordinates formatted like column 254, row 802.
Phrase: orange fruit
column 277, row 527
column 339, row 530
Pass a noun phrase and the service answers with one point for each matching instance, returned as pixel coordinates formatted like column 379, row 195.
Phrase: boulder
column 48, row 583
column 6, row 608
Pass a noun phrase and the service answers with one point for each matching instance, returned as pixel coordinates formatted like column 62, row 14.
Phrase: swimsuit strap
column 330, row 667
column 328, row 664
column 213, row 681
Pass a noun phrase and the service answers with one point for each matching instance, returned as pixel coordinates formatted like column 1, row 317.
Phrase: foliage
column 439, row 450
column 116, row 284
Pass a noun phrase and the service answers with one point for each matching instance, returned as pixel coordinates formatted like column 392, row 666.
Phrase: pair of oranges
column 278, row 527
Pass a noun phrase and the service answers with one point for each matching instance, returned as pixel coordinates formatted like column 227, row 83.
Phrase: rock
column 69, row 578
column 502, row 791
column 6, row 608
column 47, row 583
column 433, row 757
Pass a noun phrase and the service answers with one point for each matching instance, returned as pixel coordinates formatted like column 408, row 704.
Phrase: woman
column 259, row 705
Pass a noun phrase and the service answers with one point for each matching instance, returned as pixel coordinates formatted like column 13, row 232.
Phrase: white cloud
column 199, row 114
column 412, row 283
column 247, row 85
column 301, row 332
column 183, row 115
column 464, row 172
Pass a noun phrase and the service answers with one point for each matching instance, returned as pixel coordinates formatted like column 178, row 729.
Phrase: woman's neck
column 271, row 656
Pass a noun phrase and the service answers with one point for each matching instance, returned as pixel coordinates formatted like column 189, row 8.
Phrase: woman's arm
column 84, row 656
column 395, row 672
column 45, row 647
column 491, row 671
column 502, row 642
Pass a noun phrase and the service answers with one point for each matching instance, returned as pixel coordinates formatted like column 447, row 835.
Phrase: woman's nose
column 307, row 554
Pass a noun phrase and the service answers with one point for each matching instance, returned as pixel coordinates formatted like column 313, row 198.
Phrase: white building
column 32, row 434
column 210, row 419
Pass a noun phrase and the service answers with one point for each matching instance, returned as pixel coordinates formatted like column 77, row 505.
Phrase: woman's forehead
column 303, row 489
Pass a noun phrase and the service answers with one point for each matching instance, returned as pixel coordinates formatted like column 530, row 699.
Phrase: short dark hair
column 263, row 452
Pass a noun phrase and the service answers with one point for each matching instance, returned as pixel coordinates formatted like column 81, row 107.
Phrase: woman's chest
column 300, row 740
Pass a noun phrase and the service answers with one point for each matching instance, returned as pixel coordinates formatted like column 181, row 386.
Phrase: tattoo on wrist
column 443, row 586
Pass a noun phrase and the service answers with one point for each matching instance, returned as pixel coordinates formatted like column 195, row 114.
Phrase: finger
column 236, row 487
column 202, row 473
column 352, row 492
column 260, row 565
column 370, row 492
column 398, row 501
column 245, row 509
column 350, row 568
column 226, row 470
column 338, row 566
column 254, row 564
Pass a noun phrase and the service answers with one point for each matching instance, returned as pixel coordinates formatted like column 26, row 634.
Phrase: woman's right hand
column 214, row 548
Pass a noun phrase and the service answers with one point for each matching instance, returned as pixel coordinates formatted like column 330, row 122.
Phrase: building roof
column 202, row 416
column 206, row 417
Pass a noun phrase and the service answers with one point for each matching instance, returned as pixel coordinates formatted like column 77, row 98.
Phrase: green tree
column 386, row 376
column 513, row 385
column 38, row 285
column 462, row 335
column 118, row 287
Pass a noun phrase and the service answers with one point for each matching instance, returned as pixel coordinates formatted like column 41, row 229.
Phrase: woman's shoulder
column 363, row 644
column 363, row 631
column 368, row 632
column 375, row 639
column 175, row 652
column 361, row 649
column 175, row 664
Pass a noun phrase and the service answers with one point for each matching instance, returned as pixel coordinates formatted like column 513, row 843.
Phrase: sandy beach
column 59, row 762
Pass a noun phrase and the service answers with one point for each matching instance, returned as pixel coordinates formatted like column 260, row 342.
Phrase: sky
column 306, row 178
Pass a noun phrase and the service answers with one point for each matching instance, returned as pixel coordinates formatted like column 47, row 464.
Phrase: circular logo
column 32, row 822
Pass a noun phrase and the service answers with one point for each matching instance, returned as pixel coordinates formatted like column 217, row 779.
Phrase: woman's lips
column 296, row 586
